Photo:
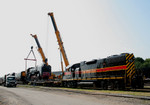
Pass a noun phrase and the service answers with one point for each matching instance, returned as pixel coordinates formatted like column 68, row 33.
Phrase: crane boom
column 60, row 43
column 40, row 49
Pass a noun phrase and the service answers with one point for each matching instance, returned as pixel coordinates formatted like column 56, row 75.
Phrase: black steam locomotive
column 41, row 72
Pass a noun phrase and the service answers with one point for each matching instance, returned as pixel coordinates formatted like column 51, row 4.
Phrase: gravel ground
column 104, row 100
column 2, row 101
column 8, row 97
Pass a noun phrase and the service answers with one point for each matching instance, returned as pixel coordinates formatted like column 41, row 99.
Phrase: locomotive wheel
column 104, row 85
column 71, row 84
column 94, row 85
column 68, row 84
column 79, row 86
column 116, row 86
column 112, row 86
column 74, row 84
column 65, row 84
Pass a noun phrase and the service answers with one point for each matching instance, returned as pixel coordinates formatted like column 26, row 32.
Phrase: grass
column 134, row 93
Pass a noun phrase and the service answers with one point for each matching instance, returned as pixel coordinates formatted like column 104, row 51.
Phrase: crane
column 60, row 43
column 40, row 49
column 44, row 71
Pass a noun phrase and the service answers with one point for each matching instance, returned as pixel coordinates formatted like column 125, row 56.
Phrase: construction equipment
column 45, row 70
column 60, row 43
column 10, row 80
column 40, row 49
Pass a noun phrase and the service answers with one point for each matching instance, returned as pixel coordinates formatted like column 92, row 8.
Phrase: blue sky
column 133, row 16
column 90, row 29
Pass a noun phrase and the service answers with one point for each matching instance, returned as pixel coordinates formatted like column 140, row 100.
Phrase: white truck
column 10, row 80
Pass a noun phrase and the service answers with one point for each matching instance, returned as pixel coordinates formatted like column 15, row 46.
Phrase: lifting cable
column 46, row 42
column 27, row 58
column 48, row 22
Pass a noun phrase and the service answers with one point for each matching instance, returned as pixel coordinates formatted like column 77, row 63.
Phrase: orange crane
column 40, row 49
column 45, row 69
column 60, row 43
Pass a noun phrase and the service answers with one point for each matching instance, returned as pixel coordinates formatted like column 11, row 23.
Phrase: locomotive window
column 72, row 69
column 104, row 64
column 77, row 69
column 100, row 65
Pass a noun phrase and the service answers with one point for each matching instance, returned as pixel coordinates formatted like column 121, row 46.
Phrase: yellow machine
column 40, row 49
column 60, row 43
column 42, row 54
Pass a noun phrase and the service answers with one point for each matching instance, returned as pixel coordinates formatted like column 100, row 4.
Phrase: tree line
column 143, row 66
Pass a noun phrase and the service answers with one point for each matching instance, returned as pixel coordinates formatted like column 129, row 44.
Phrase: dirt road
column 35, row 96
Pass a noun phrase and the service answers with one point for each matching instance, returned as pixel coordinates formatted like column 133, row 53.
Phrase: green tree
column 146, row 68
column 138, row 63
column 146, row 64
column 143, row 65
column 147, row 60
column 139, row 59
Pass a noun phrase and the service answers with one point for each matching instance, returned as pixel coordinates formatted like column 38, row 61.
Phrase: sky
column 90, row 29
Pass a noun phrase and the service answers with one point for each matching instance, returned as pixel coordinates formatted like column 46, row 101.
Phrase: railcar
column 21, row 77
column 115, row 72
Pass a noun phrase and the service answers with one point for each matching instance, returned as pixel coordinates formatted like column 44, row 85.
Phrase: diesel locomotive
column 115, row 72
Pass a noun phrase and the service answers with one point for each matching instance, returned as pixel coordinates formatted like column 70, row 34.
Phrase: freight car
column 114, row 72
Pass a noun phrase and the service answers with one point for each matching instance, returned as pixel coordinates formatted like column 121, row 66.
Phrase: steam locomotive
column 41, row 72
